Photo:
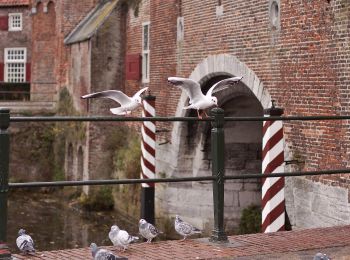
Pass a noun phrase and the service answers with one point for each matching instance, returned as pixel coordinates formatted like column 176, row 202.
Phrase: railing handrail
column 166, row 119
column 167, row 180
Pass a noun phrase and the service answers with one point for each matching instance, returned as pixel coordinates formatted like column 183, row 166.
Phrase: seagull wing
column 222, row 84
column 191, row 87
column 115, row 95
column 138, row 93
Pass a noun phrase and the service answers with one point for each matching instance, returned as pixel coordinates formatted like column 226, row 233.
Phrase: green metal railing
column 218, row 177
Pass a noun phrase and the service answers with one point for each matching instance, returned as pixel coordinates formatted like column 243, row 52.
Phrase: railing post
column 218, row 171
column 4, row 172
column 148, row 158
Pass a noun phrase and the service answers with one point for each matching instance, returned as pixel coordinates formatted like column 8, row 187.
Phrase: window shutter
column 2, row 72
column 28, row 72
column 4, row 23
column 133, row 67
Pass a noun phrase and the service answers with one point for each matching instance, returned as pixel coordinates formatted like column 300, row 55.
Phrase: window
column 145, row 52
column 275, row 15
column 15, row 64
column 15, row 22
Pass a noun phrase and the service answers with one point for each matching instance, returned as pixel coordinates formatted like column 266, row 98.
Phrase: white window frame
column 145, row 53
column 11, row 26
column 14, row 61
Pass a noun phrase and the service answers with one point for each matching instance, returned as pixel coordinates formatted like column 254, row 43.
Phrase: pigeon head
column 94, row 249
column 142, row 221
column 214, row 100
column 115, row 228
column 177, row 218
column 21, row 232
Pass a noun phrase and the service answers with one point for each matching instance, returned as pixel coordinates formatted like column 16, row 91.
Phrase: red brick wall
column 313, row 77
column 304, row 65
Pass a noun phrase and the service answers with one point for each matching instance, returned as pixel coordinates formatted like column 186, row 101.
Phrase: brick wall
column 303, row 64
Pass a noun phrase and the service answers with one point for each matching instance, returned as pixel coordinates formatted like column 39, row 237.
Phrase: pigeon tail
column 133, row 239
column 197, row 231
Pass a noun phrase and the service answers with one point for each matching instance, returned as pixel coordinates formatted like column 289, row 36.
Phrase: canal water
column 55, row 222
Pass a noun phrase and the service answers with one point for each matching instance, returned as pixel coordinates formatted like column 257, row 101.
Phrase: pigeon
column 25, row 243
column 185, row 229
column 198, row 100
column 103, row 254
column 147, row 230
column 127, row 104
column 320, row 256
column 121, row 238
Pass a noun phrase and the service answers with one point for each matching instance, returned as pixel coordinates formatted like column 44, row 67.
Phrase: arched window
column 274, row 12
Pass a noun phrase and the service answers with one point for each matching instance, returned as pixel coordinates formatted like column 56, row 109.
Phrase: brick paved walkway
column 300, row 244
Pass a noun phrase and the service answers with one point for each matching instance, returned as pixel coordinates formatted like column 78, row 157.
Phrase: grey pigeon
column 103, row 254
column 185, row 229
column 320, row 256
column 147, row 230
column 198, row 100
column 121, row 238
column 25, row 243
column 127, row 104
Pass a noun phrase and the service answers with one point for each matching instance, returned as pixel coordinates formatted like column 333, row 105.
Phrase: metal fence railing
column 218, row 177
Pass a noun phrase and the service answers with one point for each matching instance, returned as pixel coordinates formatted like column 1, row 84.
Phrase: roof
column 90, row 24
column 13, row 2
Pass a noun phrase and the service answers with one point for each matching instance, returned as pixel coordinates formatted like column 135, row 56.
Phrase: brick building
column 291, row 51
column 15, row 49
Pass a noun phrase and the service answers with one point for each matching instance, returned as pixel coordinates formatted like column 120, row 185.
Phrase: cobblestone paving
column 300, row 244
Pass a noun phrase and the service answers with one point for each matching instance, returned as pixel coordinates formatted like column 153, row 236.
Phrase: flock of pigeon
column 197, row 100
column 119, row 238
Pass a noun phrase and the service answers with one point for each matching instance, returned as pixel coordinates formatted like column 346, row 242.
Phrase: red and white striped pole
column 148, row 158
column 273, row 202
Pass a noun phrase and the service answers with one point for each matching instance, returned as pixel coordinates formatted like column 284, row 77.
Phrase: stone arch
column 190, row 155
column 225, row 64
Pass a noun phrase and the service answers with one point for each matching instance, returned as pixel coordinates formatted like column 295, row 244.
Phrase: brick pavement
column 300, row 244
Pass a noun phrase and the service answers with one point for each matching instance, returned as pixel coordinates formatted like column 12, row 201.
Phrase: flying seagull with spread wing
column 127, row 104
column 198, row 100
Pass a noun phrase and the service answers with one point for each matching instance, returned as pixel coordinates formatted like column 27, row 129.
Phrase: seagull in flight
column 198, row 100
column 127, row 104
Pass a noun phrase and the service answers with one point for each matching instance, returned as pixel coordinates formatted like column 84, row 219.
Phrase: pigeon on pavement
column 147, row 230
column 121, row 238
column 25, row 243
column 103, row 254
column 185, row 229
column 198, row 100
column 127, row 104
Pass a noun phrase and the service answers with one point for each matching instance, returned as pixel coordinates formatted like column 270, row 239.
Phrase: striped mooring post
column 4, row 176
column 148, row 158
column 273, row 202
